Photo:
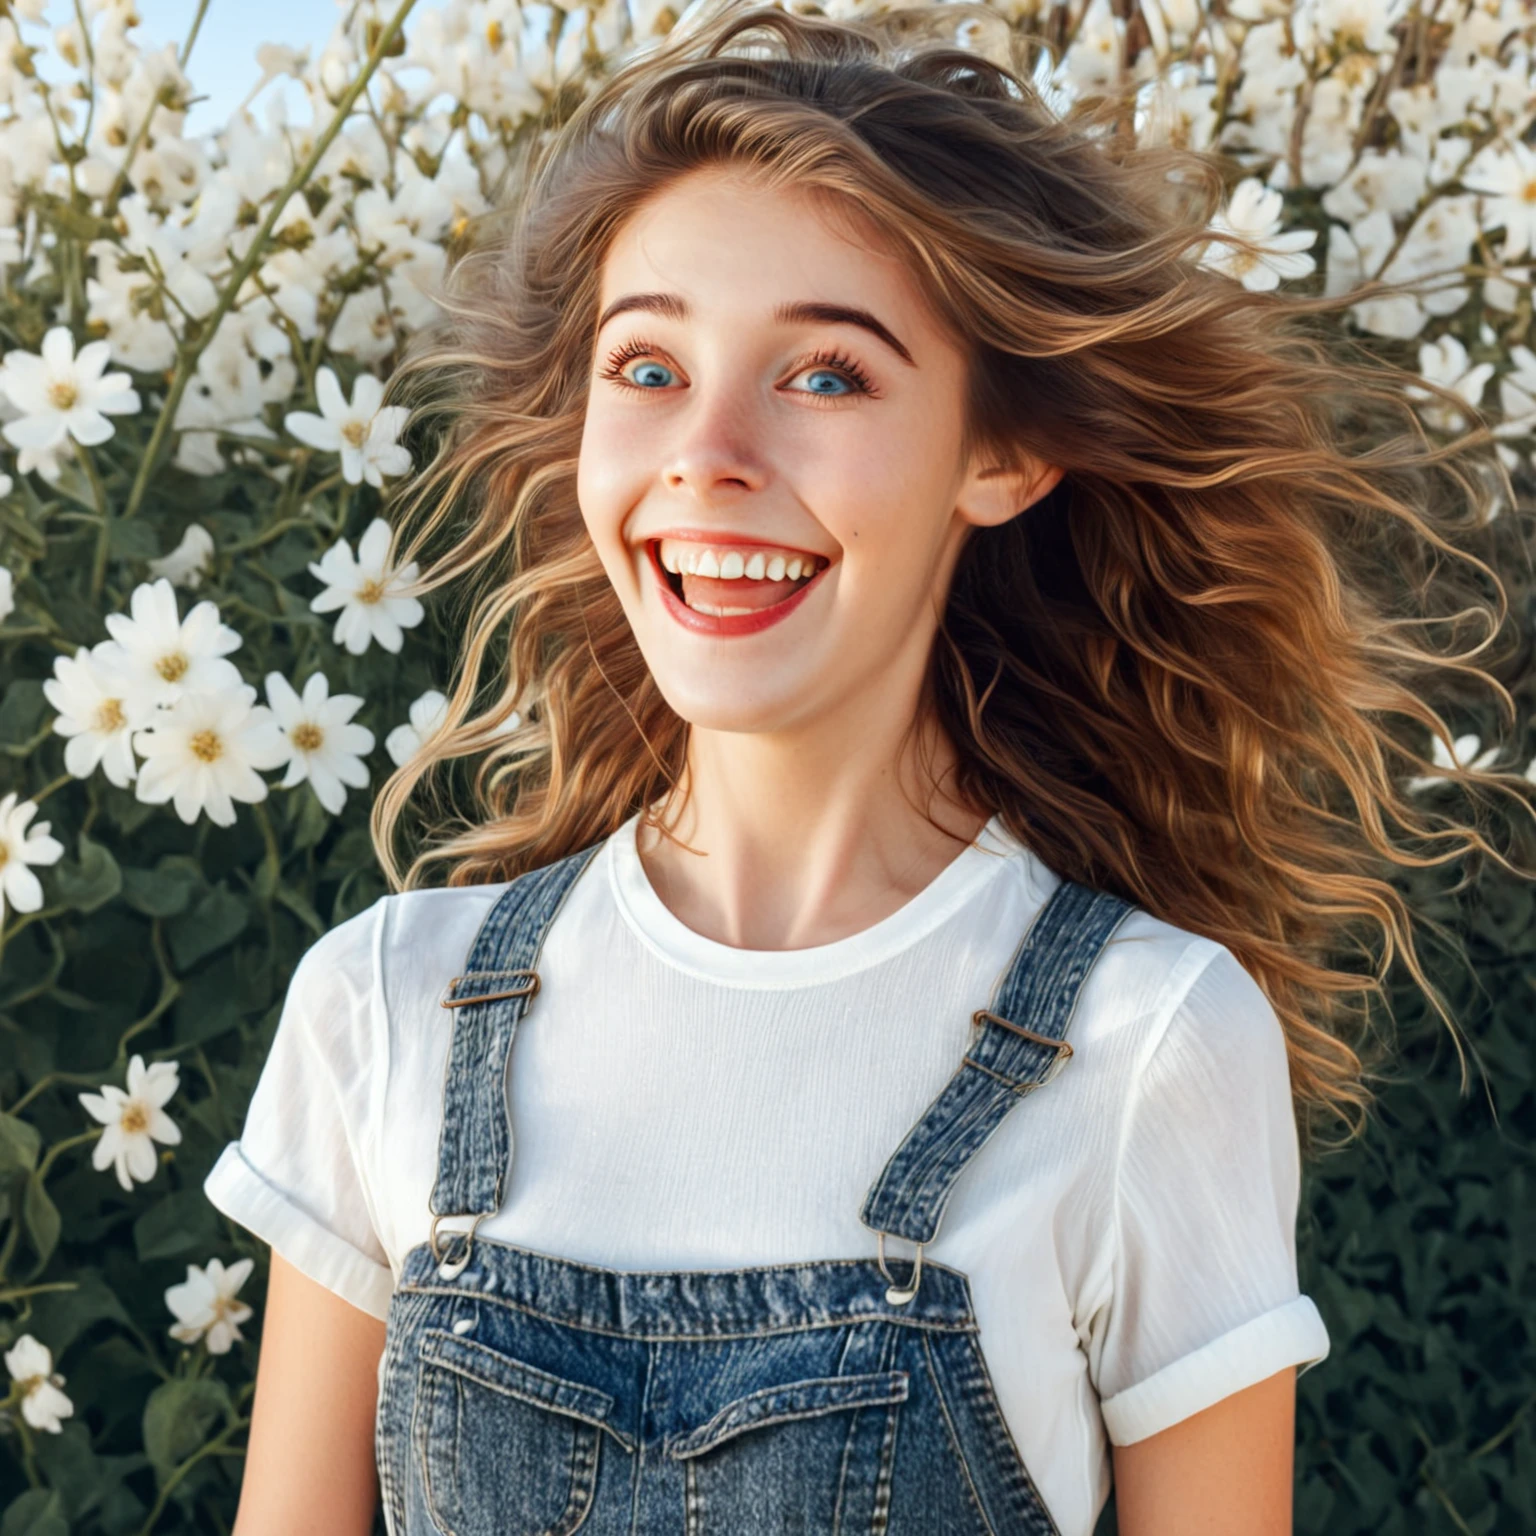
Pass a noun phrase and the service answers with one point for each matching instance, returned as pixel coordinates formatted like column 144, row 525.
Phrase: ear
column 991, row 494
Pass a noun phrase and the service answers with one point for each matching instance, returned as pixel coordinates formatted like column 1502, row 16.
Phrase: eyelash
column 838, row 362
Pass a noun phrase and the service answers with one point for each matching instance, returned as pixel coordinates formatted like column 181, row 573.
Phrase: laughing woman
column 951, row 635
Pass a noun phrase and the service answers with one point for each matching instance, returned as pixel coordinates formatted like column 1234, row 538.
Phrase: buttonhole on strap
column 1063, row 1051
column 493, row 980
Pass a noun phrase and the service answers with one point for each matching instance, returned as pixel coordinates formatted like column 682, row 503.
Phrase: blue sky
column 223, row 66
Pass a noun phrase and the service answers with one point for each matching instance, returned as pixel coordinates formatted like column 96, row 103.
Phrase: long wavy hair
column 1193, row 674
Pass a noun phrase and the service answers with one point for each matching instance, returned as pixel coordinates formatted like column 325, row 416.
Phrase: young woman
column 949, row 633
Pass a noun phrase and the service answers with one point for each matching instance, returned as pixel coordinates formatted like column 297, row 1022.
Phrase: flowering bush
column 200, row 329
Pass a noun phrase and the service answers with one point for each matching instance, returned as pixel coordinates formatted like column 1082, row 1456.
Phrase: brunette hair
column 1188, row 675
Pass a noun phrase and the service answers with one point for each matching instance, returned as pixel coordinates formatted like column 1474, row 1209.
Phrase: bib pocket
column 505, row 1449
column 810, row 1455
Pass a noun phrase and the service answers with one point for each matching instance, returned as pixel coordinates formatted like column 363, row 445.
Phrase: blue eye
column 840, row 384
column 652, row 367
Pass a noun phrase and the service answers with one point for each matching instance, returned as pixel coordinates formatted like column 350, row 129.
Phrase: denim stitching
column 954, row 1441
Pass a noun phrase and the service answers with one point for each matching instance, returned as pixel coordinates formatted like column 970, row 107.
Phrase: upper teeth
column 685, row 559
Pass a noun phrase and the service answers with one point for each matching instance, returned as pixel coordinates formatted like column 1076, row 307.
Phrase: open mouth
column 732, row 588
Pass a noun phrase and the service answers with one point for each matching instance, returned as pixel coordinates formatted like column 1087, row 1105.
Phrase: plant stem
column 197, row 23
column 104, row 529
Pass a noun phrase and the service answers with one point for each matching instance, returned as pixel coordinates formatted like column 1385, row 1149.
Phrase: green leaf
column 209, row 1003
column 301, row 909
column 41, row 1218
column 92, row 881
column 179, row 1418
column 61, row 1317
column 219, row 917
column 311, row 820
column 180, row 1222
column 165, row 890
column 38, row 1512
column 19, row 1146
column 132, row 540
column 21, row 711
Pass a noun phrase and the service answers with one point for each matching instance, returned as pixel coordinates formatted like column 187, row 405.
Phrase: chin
column 714, row 705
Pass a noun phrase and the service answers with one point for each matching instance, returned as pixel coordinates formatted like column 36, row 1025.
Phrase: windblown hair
column 1191, row 674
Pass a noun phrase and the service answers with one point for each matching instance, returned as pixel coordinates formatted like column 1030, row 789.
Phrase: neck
column 804, row 837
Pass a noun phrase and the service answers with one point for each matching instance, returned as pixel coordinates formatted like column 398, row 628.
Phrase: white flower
column 7, row 595
column 1507, row 178
column 134, row 1120
column 204, row 1303
column 204, row 751
column 59, row 392
column 324, row 746
column 425, row 716
column 368, row 591
column 364, row 433
column 97, row 712
column 1445, row 362
column 1253, row 214
column 20, row 848
column 1463, row 754
column 162, row 655
column 42, row 1404
column 188, row 563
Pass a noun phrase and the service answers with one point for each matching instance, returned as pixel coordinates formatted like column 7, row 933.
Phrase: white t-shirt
column 676, row 1103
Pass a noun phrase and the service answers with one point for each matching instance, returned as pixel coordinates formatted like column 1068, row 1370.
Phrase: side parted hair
column 1193, row 674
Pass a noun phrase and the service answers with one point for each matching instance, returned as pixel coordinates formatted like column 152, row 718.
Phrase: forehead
column 722, row 238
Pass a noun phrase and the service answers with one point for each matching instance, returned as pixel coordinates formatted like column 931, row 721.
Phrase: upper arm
column 1204, row 1301
column 1225, row 1471
column 309, row 1469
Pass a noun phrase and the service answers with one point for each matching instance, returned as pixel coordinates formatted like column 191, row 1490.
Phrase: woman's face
column 771, row 465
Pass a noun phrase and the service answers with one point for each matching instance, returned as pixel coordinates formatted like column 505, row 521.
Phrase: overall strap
column 1020, row 1046
column 489, row 999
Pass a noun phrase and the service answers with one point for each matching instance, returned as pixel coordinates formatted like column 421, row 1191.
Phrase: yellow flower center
column 356, row 433
column 134, row 1121
column 63, row 394
column 172, row 666
column 110, row 716
column 5, row 855
column 307, row 737
column 206, row 746
column 371, row 591
column 1528, row 191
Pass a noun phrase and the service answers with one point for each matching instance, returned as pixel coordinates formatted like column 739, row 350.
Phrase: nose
column 716, row 449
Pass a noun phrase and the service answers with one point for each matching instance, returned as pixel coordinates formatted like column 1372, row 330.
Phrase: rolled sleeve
column 1292, row 1334
column 237, row 1189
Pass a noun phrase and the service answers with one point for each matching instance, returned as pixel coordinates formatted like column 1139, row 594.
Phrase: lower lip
column 723, row 625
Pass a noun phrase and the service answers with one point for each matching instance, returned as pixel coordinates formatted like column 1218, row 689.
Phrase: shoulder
column 373, row 964
column 1179, row 1014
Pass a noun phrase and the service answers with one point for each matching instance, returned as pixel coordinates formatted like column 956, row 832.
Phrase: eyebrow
column 804, row 312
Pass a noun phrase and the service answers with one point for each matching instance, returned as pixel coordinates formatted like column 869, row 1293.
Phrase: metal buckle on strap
column 444, row 1268
column 1060, row 1047
column 526, row 990
column 897, row 1295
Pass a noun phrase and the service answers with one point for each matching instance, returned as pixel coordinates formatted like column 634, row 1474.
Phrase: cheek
column 602, row 477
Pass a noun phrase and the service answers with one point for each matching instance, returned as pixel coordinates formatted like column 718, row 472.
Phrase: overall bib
column 526, row 1395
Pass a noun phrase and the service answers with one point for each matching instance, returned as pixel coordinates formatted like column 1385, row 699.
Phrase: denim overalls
column 527, row 1395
